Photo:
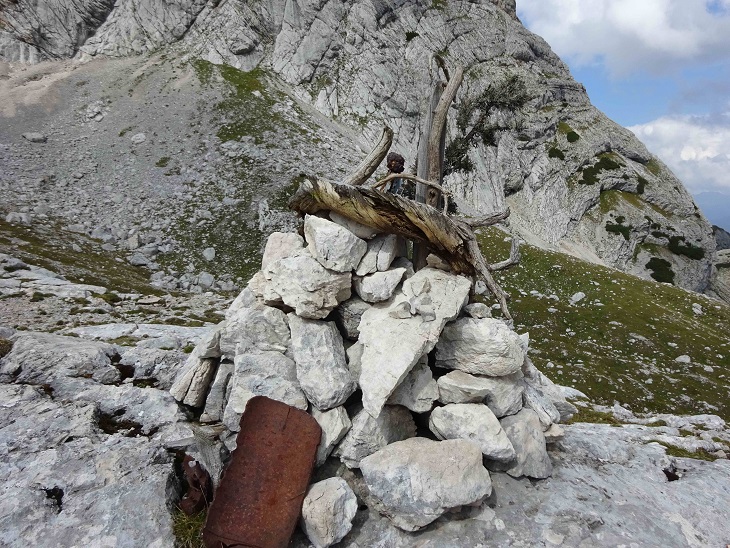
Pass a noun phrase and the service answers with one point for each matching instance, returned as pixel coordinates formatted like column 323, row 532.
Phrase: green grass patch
column 653, row 167
column 674, row 451
column 588, row 414
column 572, row 137
column 5, row 347
column 188, row 530
column 594, row 348
column 188, row 348
column 162, row 162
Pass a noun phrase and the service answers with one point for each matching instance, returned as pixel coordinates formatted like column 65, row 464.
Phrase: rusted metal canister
column 259, row 499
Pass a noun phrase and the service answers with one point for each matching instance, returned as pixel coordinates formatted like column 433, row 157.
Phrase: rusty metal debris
column 199, row 490
column 260, row 496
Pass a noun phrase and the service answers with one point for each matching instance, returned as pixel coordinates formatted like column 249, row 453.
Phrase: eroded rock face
column 369, row 434
column 392, row 346
column 526, row 435
column 327, row 512
column 414, row 487
column 321, row 366
column 480, row 347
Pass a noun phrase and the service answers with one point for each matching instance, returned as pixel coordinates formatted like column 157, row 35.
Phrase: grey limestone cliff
column 574, row 180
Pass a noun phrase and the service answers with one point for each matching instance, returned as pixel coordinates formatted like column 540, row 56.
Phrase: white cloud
column 696, row 148
column 632, row 35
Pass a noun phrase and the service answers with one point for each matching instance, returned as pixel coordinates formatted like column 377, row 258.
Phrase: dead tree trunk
column 451, row 239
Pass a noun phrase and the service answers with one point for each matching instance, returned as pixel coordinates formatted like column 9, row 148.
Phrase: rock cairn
column 339, row 324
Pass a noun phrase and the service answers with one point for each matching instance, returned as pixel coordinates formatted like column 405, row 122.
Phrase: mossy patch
column 641, row 185
column 692, row 251
column 555, row 152
column 5, row 347
column 674, row 451
column 624, row 231
column 588, row 414
column 661, row 270
column 606, row 162
column 410, row 35
column 653, row 167
column 162, row 162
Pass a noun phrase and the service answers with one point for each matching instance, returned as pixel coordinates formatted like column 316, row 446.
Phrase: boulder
column 361, row 231
column 305, row 285
column 321, row 366
column 418, row 390
column 381, row 252
column 503, row 395
column 379, row 286
column 474, row 422
column 335, row 247
column 280, row 245
column 327, row 512
column 334, row 424
column 413, row 485
column 347, row 317
column 257, row 328
column 369, row 434
column 481, row 347
column 392, row 346
column 269, row 374
column 526, row 435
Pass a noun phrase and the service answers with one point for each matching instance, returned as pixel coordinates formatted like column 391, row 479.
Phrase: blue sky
column 659, row 67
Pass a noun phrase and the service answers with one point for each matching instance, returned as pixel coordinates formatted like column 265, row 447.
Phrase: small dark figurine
column 396, row 164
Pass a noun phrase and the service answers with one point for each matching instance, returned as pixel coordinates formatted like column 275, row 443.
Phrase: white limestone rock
column 281, row 245
column 414, row 486
column 347, row 317
column 379, row 286
column 418, row 390
column 321, row 366
column 327, row 512
column 474, row 422
column 215, row 401
column 381, row 252
column 305, row 285
column 503, row 395
column 334, row 423
column 361, row 231
column 369, row 434
column 526, row 435
column 480, row 347
column 555, row 394
column 335, row 247
column 478, row 311
column 354, row 360
column 263, row 373
column 257, row 328
column 533, row 398
column 392, row 346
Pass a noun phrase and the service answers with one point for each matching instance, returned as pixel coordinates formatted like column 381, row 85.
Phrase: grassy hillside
column 620, row 342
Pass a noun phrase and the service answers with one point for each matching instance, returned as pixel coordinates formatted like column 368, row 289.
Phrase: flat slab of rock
column 335, row 247
column 392, row 346
column 412, row 482
column 327, row 512
column 474, row 422
column 302, row 283
column 481, row 347
column 526, row 435
column 503, row 395
column 334, row 423
column 379, row 286
column 321, row 366
column 418, row 390
column 369, row 434
column 379, row 256
column 269, row 374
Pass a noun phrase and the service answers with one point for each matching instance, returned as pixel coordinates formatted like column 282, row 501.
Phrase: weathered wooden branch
column 514, row 256
column 381, row 184
column 452, row 240
column 371, row 162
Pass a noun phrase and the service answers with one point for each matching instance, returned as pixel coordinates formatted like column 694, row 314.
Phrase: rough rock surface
column 392, row 346
column 335, row 247
column 418, row 390
column 327, row 512
column 321, row 366
column 414, row 487
column 257, row 328
column 480, row 347
column 369, row 434
column 526, row 435
column 381, row 252
column 334, row 423
column 503, row 395
column 347, row 316
column 378, row 286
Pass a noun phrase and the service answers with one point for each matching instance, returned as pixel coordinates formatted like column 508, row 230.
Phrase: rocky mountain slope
column 574, row 180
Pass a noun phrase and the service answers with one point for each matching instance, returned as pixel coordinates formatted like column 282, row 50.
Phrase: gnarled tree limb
column 452, row 240
column 381, row 184
column 371, row 162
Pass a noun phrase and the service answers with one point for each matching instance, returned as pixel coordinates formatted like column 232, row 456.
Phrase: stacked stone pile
column 339, row 324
